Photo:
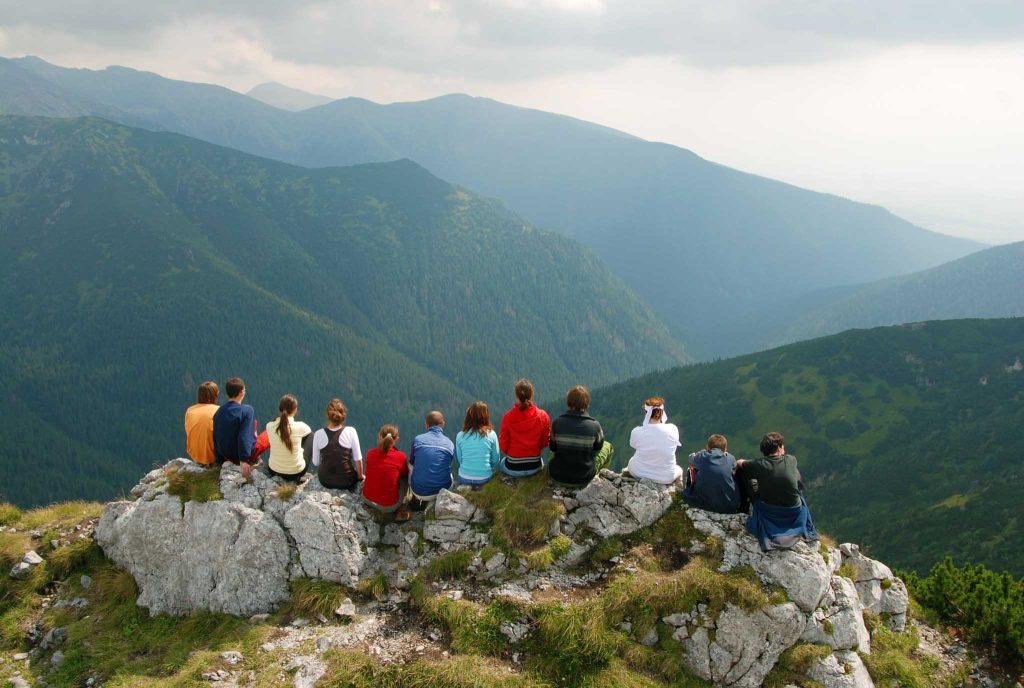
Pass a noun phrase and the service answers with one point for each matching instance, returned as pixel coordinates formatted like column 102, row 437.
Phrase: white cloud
column 912, row 105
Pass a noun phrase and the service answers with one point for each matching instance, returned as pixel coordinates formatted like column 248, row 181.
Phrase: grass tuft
column 449, row 566
column 311, row 597
column 77, row 556
column 646, row 596
column 194, row 486
column 793, row 665
column 521, row 514
column 286, row 491
column 9, row 514
column 847, row 571
column 570, row 642
column 376, row 586
column 352, row 669
column 892, row 660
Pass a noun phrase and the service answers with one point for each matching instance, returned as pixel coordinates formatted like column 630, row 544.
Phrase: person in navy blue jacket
column 234, row 430
column 431, row 459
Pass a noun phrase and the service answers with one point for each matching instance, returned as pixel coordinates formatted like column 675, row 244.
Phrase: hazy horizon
column 909, row 107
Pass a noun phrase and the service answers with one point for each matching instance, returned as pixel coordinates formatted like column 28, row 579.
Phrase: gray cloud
column 518, row 39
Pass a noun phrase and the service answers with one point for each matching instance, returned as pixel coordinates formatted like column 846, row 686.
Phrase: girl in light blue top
column 476, row 447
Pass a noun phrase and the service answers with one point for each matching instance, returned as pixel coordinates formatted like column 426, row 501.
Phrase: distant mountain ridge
column 986, row 284
column 701, row 243
column 286, row 97
column 908, row 437
column 135, row 264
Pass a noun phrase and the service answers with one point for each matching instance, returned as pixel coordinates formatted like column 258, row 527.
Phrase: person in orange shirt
column 199, row 424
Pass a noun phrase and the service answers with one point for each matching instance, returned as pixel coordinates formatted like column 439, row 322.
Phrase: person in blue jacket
column 476, row 447
column 431, row 459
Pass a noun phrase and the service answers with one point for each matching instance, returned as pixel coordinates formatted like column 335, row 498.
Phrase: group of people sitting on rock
column 769, row 488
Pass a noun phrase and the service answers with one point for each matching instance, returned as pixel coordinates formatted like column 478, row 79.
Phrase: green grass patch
column 847, row 571
column 61, row 515
column 793, row 665
column 521, row 514
column 79, row 555
column 893, row 660
column 352, row 669
column 115, row 638
column 646, row 596
column 376, row 586
column 570, row 642
column 194, row 486
column 474, row 629
column 448, row 566
column 606, row 550
column 311, row 597
column 9, row 514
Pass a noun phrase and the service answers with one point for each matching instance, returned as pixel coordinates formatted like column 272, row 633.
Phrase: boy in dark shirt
column 776, row 473
column 710, row 484
column 779, row 518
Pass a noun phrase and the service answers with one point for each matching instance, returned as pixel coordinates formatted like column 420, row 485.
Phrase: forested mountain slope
column 986, row 284
column 909, row 437
column 699, row 241
column 134, row 264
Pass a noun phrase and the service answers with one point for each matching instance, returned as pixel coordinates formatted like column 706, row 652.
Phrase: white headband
column 648, row 410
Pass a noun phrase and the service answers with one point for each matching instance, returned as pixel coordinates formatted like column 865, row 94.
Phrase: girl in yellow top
column 286, row 435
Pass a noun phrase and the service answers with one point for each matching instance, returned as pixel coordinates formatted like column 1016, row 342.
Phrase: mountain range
column 908, row 437
column 986, row 284
column 134, row 264
column 700, row 242
column 285, row 97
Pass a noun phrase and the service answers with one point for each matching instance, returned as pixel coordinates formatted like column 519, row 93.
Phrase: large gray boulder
column 740, row 648
column 801, row 571
column 839, row 621
column 879, row 590
column 612, row 505
column 218, row 555
column 333, row 536
column 843, row 669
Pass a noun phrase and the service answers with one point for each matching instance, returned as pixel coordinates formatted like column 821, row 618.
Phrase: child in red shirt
column 387, row 475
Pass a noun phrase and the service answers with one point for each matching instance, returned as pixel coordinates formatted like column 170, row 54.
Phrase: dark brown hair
column 478, row 418
column 578, row 398
column 772, row 442
column 336, row 412
column 524, row 393
column 435, row 418
column 387, row 437
column 657, row 413
column 234, row 387
column 207, row 393
column 718, row 442
column 287, row 406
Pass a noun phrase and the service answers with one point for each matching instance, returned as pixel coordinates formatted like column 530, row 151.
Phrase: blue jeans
column 474, row 481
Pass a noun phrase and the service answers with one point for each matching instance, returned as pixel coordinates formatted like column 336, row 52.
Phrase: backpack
column 336, row 469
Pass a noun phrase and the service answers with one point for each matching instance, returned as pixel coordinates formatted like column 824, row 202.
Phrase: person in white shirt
column 336, row 452
column 655, row 442
column 286, row 438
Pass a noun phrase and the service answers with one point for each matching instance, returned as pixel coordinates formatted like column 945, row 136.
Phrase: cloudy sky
column 917, row 105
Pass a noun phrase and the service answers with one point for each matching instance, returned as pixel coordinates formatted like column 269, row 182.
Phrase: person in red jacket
column 387, row 475
column 525, row 432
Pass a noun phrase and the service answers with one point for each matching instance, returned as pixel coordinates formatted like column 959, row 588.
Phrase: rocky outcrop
column 740, row 648
column 879, row 590
column 238, row 553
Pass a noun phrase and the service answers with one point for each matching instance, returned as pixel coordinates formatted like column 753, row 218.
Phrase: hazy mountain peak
column 286, row 97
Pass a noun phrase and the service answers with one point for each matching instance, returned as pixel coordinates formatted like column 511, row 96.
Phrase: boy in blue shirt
column 431, row 459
